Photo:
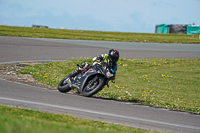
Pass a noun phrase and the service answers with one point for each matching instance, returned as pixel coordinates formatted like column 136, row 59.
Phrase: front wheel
column 63, row 86
column 92, row 88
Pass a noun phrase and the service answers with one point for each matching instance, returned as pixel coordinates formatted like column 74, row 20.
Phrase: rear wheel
column 63, row 86
column 92, row 88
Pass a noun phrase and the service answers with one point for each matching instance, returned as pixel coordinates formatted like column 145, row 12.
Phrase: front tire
column 63, row 86
column 90, row 90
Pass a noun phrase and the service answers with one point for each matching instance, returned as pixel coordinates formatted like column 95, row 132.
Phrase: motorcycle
column 88, row 82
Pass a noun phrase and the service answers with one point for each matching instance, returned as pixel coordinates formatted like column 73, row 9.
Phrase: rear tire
column 64, row 87
column 90, row 90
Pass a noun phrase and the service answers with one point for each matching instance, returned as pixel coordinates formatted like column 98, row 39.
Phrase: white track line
column 98, row 113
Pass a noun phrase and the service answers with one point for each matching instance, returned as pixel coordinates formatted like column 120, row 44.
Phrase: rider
column 108, row 61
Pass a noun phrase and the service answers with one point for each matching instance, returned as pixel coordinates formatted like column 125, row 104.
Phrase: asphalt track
column 14, row 49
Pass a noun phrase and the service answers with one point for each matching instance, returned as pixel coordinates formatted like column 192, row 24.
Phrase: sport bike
column 88, row 82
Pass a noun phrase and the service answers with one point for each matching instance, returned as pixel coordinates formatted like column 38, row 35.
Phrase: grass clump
column 16, row 120
column 168, row 83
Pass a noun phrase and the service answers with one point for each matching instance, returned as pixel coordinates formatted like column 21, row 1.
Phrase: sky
column 137, row 16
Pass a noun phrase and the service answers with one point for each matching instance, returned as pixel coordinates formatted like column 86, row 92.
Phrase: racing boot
column 83, row 66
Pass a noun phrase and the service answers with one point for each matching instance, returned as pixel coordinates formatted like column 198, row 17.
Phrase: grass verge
column 16, row 120
column 97, row 35
column 168, row 83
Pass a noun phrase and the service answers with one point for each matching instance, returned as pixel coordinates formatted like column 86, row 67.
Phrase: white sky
column 100, row 15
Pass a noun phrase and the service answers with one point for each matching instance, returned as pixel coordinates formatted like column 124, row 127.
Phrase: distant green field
column 97, row 35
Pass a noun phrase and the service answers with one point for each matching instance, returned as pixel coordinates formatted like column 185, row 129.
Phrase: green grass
column 168, row 83
column 97, row 35
column 16, row 120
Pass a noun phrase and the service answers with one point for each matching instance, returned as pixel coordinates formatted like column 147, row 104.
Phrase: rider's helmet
column 113, row 55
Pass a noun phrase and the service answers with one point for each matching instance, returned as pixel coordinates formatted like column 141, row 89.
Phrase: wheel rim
column 93, row 86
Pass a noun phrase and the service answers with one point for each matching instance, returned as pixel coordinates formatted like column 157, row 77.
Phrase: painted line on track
column 98, row 113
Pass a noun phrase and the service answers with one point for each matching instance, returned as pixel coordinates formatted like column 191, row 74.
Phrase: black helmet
column 113, row 55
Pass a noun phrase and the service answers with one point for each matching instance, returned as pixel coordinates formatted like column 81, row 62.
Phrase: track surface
column 14, row 49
